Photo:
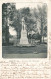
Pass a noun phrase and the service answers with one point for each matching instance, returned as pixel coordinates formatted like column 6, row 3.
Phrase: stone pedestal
column 24, row 39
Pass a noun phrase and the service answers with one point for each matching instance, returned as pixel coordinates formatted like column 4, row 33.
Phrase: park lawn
column 25, row 52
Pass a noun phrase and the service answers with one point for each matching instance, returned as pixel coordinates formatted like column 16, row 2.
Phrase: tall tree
column 41, row 16
column 6, row 13
column 17, row 23
column 5, row 28
column 43, row 19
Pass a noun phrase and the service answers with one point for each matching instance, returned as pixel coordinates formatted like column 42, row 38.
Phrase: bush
column 36, row 36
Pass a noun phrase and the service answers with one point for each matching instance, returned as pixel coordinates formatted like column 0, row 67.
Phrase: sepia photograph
column 24, row 30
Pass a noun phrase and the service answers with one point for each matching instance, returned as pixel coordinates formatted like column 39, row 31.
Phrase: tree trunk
column 7, row 35
column 41, row 31
column 40, row 39
column 43, row 35
column 7, row 31
column 43, row 39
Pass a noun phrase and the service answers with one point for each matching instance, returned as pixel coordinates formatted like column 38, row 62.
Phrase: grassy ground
column 38, row 51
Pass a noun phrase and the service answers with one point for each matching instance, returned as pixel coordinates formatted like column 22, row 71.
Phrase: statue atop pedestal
column 24, row 39
column 23, row 24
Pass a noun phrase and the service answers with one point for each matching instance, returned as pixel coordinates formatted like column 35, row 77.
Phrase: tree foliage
column 6, row 13
column 41, row 15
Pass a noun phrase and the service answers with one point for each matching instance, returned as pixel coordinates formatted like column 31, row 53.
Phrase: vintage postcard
column 25, row 39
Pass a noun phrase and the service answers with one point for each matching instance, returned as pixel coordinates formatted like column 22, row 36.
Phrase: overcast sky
column 30, row 5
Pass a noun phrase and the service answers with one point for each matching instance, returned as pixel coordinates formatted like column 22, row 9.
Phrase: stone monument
column 24, row 39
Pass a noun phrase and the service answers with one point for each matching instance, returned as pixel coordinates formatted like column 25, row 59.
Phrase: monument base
column 24, row 39
column 25, row 45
